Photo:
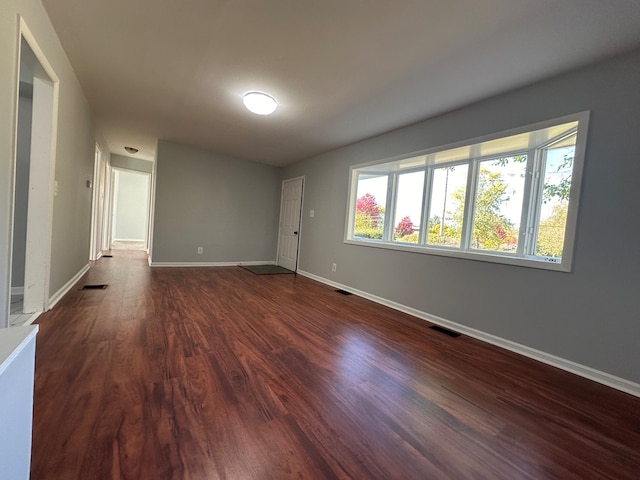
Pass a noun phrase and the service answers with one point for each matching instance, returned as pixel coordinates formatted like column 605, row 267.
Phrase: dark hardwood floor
column 217, row 373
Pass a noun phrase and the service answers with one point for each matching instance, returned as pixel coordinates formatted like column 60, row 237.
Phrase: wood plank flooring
column 217, row 373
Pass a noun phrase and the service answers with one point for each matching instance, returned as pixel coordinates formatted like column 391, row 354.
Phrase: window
column 498, row 203
column 408, row 211
column 369, row 212
column 507, row 198
column 446, row 205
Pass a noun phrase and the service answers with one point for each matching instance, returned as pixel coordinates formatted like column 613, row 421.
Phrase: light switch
column 312, row 213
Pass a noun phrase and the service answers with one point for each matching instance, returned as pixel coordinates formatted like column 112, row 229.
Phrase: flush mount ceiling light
column 260, row 103
column 131, row 149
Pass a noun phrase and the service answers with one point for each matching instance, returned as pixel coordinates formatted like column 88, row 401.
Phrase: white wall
column 131, row 201
column 74, row 149
column 21, row 185
column 590, row 316
column 130, row 163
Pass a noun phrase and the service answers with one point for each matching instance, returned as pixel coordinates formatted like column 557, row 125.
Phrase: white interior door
column 289, row 231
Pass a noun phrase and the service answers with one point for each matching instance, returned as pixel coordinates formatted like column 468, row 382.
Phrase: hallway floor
column 128, row 245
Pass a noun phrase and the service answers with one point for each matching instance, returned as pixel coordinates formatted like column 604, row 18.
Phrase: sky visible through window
column 556, row 171
column 409, row 201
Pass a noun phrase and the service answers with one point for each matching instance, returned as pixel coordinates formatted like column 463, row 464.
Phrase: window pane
column 498, row 204
column 447, row 205
column 370, row 204
column 409, row 207
column 555, row 200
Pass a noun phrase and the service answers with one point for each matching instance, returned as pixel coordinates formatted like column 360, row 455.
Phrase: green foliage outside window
column 551, row 232
column 491, row 230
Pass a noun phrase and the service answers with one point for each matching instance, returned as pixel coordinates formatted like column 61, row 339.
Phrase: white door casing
column 289, row 230
column 118, row 207
column 95, row 248
column 42, row 185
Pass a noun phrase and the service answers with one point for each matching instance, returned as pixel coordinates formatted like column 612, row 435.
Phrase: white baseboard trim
column 56, row 297
column 17, row 290
column 209, row 264
column 604, row 378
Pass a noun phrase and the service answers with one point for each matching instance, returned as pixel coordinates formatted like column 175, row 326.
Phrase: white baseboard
column 98, row 256
column 208, row 264
column 56, row 297
column 604, row 378
column 17, row 290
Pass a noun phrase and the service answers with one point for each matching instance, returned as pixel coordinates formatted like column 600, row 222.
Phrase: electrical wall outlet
column 200, row 250
column 333, row 267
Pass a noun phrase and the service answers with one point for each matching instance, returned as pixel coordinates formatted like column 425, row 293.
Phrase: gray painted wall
column 228, row 206
column 23, row 152
column 74, row 167
column 131, row 163
column 74, row 149
column 591, row 315
column 131, row 206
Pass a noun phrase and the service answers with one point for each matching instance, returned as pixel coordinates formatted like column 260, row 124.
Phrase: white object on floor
column 17, row 364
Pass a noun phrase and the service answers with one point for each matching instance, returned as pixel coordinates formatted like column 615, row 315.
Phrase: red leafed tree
column 405, row 227
column 367, row 206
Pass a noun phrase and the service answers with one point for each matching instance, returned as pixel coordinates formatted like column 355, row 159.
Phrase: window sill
column 530, row 262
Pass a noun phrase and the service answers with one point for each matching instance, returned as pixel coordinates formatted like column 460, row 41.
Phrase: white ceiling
column 342, row 70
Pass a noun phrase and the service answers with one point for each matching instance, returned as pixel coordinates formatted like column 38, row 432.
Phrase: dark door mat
column 107, row 256
column 343, row 292
column 266, row 269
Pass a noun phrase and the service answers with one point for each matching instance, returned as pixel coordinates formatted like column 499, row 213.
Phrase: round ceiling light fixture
column 260, row 103
column 131, row 149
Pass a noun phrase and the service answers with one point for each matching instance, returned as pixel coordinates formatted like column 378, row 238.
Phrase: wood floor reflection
column 217, row 373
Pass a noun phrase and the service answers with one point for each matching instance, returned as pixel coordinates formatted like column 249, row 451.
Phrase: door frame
column 97, row 205
column 113, row 199
column 302, row 178
column 42, row 184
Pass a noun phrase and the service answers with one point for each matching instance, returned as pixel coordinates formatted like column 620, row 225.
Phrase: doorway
column 289, row 229
column 33, row 185
column 130, row 210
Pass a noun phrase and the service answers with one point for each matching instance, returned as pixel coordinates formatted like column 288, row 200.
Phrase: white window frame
column 530, row 209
